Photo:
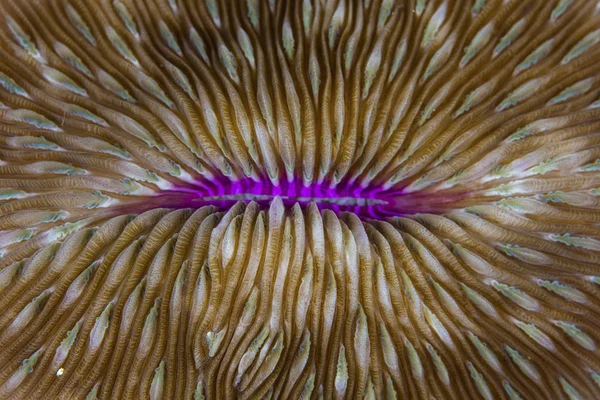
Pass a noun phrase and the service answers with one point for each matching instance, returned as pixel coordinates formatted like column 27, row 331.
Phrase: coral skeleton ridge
column 300, row 199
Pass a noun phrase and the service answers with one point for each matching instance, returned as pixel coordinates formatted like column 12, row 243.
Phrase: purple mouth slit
column 364, row 202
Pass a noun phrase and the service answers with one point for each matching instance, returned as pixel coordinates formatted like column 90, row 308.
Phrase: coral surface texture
column 300, row 199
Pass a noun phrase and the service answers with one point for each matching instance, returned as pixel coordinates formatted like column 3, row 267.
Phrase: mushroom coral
column 300, row 199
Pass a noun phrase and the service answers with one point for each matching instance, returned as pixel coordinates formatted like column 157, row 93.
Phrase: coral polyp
column 300, row 199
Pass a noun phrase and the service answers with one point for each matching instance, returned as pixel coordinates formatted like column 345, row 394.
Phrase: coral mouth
column 340, row 201
column 366, row 202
